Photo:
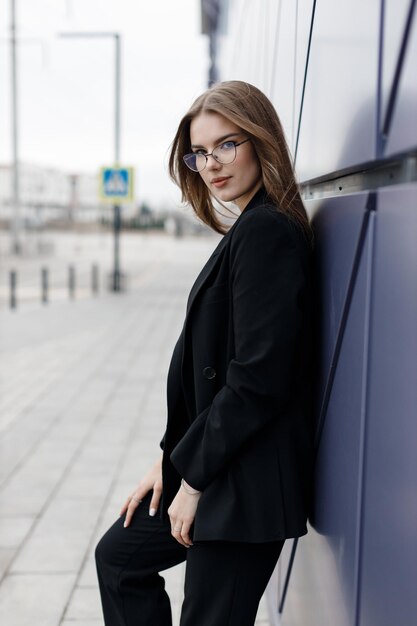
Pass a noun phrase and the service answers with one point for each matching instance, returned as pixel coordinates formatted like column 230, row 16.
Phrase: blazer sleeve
column 268, row 288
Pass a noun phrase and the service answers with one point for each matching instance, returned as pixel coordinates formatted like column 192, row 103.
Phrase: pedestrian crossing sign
column 116, row 184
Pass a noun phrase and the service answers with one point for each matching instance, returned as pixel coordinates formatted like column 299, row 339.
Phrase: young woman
column 233, row 480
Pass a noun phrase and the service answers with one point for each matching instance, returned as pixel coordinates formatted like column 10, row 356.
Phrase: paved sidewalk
column 83, row 408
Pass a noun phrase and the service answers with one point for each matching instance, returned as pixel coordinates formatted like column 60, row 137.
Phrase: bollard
column 71, row 281
column 94, row 278
column 44, row 285
column 13, row 284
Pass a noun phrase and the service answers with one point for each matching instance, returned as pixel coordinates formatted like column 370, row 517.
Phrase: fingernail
column 125, row 524
column 152, row 512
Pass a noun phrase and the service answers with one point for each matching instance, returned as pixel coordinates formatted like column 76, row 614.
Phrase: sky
column 66, row 86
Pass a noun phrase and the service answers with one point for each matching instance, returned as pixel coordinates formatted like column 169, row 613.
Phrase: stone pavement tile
column 6, row 557
column 88, row 575
column 18, row 441
column 28, row 599
column 91, row 484
column 28, row 490
column 60, row 539
column 28, row 496
column 85, row 604
column 41, row 379
column 22, row 437
column 13, row 530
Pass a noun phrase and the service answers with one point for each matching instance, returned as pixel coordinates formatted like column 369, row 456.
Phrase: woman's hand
column 151, row 480
column 182, row 513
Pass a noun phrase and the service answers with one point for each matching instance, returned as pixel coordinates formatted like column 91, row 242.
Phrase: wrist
column 188, row 488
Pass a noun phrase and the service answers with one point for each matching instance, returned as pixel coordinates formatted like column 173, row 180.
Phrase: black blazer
column 239, row 385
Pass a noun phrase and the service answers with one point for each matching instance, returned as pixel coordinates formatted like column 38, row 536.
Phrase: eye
column 201, row 151
column 227, row 145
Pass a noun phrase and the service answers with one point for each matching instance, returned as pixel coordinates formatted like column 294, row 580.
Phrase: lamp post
column 16, row 229
column 116, row 282
column 16, row 244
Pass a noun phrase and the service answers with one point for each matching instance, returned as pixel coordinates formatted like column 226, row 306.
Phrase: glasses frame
column 236, row 144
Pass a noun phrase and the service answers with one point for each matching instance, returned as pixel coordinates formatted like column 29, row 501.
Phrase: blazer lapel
column 259, row 198
column 198, row 285
column 206, row 271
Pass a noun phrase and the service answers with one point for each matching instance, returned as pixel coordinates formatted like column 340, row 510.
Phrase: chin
column 227, row 195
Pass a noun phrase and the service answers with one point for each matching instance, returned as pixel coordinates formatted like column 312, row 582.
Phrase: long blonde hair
column 247, row 107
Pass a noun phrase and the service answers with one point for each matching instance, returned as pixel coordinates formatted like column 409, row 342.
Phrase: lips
column 220, row 181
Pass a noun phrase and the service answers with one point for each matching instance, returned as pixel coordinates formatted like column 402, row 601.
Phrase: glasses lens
column 195, row 162
column 225, row 153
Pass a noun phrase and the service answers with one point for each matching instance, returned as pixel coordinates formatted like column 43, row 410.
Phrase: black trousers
column 224, row 581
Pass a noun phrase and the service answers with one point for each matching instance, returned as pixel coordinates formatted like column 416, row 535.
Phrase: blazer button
column 209, row 372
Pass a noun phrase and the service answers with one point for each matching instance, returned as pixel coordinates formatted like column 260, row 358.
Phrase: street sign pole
column 116, row 269
column 116, row 207
column 116, row 186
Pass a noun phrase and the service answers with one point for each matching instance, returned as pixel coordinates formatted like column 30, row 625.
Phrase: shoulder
column 265, row 221
column 267, row 233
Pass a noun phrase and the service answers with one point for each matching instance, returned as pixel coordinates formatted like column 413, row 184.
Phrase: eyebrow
column 219, row 140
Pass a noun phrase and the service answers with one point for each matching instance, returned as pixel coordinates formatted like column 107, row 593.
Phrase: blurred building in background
column 50, row 197
column 55, row 199
column 341, row 74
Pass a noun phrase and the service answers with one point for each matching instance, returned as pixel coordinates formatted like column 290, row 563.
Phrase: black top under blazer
column 239, row 385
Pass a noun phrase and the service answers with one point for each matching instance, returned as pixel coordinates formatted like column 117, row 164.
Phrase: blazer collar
column 260, row 197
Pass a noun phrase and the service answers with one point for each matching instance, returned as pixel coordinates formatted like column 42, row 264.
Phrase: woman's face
column 235, row 182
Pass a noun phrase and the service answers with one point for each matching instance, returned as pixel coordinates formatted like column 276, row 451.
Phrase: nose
column 211, row 163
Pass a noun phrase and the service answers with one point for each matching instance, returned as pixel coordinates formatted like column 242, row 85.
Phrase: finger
column 128, row 500
column 177, row 535
column 153, row 507
column 185, row 534
column 130, row 512
column 125, row 505
column 133, row 505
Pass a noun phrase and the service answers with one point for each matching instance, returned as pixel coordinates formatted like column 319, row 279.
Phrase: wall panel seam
column 397, row 74
column 343, row 321
column 364, row 415
column 310, row 36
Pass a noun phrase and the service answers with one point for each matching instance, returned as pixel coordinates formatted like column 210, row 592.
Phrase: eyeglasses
column 225, row 153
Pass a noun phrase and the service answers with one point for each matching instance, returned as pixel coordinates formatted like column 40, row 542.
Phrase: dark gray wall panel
column 330, row 550
column 337, row 225
column 403, row 131
column 389, row 551
column 338, row 126
column 357, row 565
